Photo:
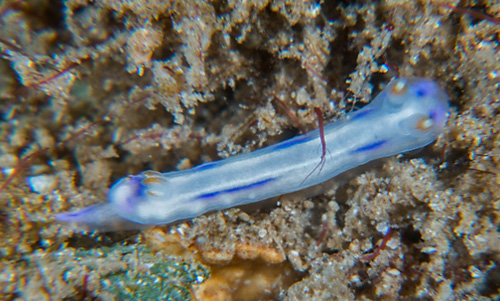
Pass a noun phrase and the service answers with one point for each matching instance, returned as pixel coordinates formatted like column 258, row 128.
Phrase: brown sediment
column 92, row 91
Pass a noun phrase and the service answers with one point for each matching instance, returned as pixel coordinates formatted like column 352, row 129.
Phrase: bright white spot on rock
column 42, row 183
column 394, row 272
column 382, row 227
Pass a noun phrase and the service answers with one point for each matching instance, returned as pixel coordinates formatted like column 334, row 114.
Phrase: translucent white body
column 408, row 114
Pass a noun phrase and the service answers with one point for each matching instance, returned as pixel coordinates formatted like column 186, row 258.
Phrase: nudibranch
column 408, row 114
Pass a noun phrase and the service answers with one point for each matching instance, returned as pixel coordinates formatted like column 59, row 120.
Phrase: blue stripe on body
column 236, row 189
column 369, row 147
column 291, row 142
column 361, row 114
column 206, row 166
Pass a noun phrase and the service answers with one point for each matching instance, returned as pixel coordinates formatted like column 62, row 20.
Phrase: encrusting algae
column 93, row 91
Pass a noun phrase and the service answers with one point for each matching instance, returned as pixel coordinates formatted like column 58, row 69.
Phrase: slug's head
column 421, row 106
column 125, row 194
column 130, row 196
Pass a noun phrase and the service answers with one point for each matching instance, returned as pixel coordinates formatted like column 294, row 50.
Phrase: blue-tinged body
column 409, row 114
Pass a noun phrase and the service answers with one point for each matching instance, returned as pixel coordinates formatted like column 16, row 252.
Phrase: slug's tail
column 100, row 218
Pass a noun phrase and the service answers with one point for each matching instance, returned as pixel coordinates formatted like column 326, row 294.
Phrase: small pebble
column 42, row 183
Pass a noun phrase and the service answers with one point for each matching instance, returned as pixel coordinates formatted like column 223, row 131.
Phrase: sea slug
column 408, row 114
